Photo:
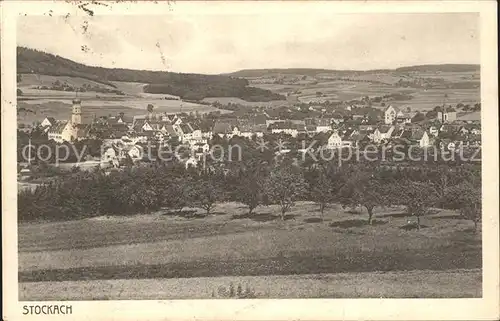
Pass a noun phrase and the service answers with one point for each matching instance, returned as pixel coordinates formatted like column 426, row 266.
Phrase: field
column 57, row 104
column 59, row 107
column 235, row 100
column 163, row 255
column 348, row 87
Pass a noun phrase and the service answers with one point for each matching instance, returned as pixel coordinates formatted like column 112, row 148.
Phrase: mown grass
column 177, row 246
column 443, row 258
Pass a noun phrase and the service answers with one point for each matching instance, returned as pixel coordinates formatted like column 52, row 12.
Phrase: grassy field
column 231, row 244
column 60, row 108
column 31, row 80
column 57, row 104
column 334, row 89
column 407, row 284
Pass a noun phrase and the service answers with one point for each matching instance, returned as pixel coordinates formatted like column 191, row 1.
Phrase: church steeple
column 76, row 114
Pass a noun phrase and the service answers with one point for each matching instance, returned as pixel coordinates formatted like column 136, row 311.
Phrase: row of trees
column 254, row 183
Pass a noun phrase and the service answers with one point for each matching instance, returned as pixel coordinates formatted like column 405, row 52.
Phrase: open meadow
column 36, row 104
column 355, row 86
column 189, row 255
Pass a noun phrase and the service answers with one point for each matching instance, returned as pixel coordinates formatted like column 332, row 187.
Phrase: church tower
column 76, row 115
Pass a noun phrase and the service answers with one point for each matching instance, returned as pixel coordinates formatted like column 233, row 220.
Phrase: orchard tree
column 466, row 198
column 284, row 186
column 176, row 194
column 364, row 188
column 323, row 186
column 248, row 186
column 418, row 197
column 206, row 191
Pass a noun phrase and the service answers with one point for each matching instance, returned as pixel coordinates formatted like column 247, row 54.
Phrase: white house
column 285, row 128
column 447, row 144
column 334, row 141
column 390, row 114
column 135, row 152
column 323, row 125
column 434, row 131
column 385, row 132
column 191, row 162
column 418, row 137
column 109, row 154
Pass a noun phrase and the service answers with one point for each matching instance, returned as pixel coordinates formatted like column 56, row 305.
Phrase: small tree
column 176, row 195
column 418, row 198
column 363, row 189
column 206, row 192
column 323, row 186
column 466, row 198
column 284, row 185
column 248, row 187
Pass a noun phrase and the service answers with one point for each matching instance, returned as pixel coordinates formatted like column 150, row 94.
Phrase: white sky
column 226, row 43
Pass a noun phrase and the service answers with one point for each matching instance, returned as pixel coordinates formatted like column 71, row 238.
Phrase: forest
column 188, row 86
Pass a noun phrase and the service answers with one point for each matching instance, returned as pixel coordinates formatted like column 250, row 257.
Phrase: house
column 448, row 116
column 191, row 162
column 398, row 133
column 474, row 140
column 404, row 118
column 173, row 119
column 169, row 130
column 310, row 129
column 48, row 122
column 284, row 128
column 354, row 140
column 323, row 125
column 433, row 130
column 359, row 117
column 71, row 130
column 334, row 141
column 447, row 144
column 249, row 131
column 470, row 129
column 449, row 128
column 110, row 154
column 225, row 129
column 200, row 148
column 417, row 137
column 135, row 152
column 337, row 119
column 385, row 132
column 390, row 114
column 186, row 132
column 61, row 131
column 142, row 125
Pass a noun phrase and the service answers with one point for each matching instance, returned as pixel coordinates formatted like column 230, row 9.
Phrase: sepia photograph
column 191, row 155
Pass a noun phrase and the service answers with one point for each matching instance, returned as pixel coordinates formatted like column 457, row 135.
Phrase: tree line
column 255, row 182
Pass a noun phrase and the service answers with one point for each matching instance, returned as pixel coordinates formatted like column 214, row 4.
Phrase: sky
column 218, row 43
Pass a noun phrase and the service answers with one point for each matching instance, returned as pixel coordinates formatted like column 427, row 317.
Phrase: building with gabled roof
column 390, row 114
column 72, row 130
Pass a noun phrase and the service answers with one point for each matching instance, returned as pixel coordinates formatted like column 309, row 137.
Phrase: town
column 342, row 126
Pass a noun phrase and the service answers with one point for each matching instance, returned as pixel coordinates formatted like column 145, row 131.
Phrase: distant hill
column 442, row 68
column 187, row 86
column 249, row 73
